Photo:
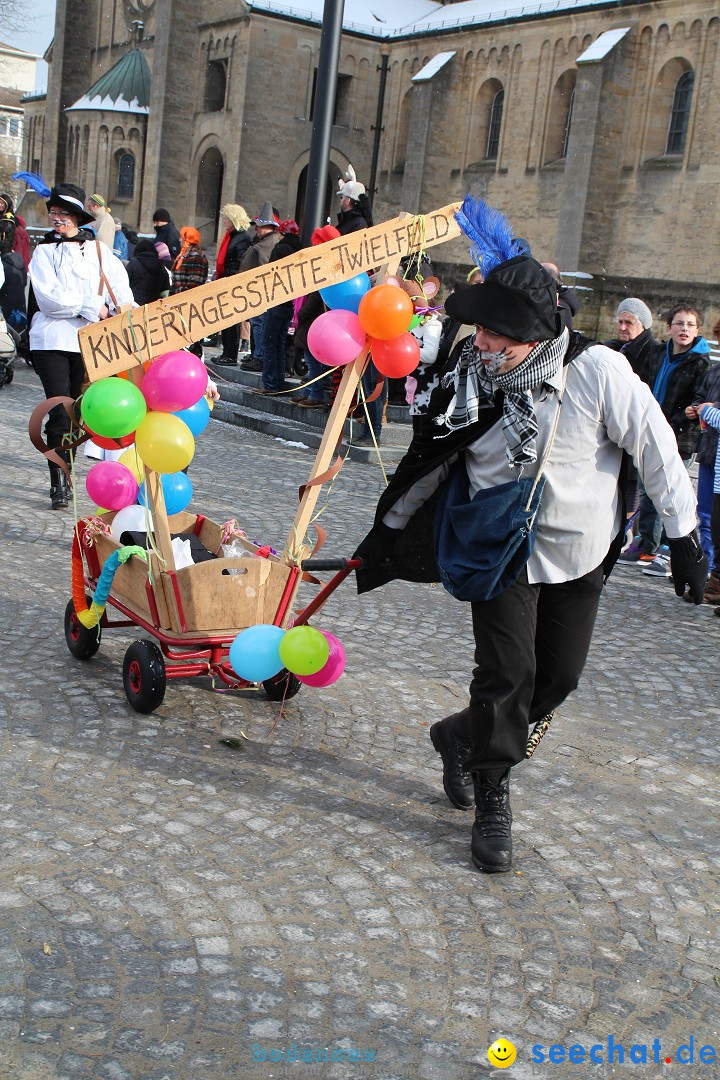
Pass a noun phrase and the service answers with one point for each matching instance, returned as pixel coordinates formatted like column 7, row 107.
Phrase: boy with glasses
column 680, row 366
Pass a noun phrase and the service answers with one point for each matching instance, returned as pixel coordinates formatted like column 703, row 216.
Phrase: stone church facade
column 594, row 125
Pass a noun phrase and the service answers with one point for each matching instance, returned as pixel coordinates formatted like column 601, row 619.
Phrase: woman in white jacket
column 74, row 280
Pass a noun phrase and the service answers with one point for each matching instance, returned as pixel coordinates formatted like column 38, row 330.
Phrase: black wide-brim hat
column 518, row 300
column 70, row 197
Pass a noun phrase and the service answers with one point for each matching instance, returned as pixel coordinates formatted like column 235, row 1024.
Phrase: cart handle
column 331, row 564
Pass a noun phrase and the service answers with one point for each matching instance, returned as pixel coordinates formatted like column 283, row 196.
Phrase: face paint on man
column 493, row 361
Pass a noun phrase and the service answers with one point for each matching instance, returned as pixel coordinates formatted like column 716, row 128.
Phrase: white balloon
column 129, row 519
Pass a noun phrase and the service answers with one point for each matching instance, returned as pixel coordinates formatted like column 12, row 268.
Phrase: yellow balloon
column 164, row 443
column 131, row 460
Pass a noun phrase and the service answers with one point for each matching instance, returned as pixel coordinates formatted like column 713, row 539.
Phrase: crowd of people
column 539, row 457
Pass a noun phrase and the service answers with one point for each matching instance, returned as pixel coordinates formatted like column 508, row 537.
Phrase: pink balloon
column 174, row 382
column 334, row 665
column 111, row 485
column 336, row 337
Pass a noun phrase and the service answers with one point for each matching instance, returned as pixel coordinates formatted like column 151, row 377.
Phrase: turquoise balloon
column 177, row 491
column 197, row 417
column 255, row 652
column 113, row 407
column 346, row 295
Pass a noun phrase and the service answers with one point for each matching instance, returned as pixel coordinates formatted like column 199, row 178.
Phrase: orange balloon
column 385, row 312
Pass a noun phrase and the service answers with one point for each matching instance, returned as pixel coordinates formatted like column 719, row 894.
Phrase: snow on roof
column 603, row 45
column 11, row 50
column 432, row 67
column 398, row 18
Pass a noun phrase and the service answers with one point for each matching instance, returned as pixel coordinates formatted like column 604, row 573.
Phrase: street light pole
column 325, row 89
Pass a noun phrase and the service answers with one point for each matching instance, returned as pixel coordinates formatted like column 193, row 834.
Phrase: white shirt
column 606, row 409
column 65, row 279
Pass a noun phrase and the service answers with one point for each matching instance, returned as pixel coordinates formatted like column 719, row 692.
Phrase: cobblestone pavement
column 171, row 907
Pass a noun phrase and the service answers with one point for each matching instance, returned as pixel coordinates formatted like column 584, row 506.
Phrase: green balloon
column 415, row 321
column 112, row 407
column 304, row 650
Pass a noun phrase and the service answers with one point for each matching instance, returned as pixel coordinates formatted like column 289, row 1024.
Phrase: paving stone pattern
column 174, row 908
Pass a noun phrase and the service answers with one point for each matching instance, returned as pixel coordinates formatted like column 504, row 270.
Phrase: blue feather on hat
column 33, row 181
column 490, row 232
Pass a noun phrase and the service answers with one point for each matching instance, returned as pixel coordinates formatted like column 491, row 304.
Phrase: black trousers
column 531, row 643
column 231, row 340
column 61, row 374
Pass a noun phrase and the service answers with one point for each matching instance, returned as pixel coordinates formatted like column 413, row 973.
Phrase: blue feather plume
column 490, row 232
column 34, row 181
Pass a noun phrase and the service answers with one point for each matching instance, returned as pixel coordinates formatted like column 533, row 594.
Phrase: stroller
column 9, row 340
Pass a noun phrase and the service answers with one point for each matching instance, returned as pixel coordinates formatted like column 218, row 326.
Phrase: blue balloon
column 255, row 652
column 346, row 294
column 197, row 417
column 177, row 489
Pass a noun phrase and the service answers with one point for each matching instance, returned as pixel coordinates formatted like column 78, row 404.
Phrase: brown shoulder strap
column 104, row 283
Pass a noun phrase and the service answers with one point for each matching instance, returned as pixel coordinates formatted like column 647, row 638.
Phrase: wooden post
column 161, row 528
column 296, row 547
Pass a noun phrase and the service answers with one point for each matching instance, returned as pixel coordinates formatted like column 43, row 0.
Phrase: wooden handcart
column 194, row 613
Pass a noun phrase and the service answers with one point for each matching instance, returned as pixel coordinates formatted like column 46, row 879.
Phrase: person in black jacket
column 676, row 373
column 568, row 300
column 635, row 339
column 636, row 342
column 148, row 276
column 235, row 242
column 166, row 231
column 12, row 293
column 278, row 318
column 355, row 212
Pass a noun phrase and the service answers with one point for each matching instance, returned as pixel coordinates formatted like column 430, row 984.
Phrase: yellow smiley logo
column 502, row 1053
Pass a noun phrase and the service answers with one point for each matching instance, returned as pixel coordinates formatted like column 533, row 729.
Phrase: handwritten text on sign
column 119, row 343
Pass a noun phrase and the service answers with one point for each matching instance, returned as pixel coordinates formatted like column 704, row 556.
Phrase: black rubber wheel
column 9, row 375
column 282, row 686
column 82, row 642
column 144, row 676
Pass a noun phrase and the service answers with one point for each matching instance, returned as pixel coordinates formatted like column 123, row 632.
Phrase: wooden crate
column 216, row 597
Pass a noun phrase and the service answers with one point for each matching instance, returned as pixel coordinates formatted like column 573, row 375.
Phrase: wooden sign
column 141, row 334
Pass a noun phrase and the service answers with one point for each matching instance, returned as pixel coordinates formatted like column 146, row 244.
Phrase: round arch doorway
column 331, row 187
column 209, row 194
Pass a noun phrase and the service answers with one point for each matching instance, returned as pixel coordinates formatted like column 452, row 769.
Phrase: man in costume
column 491, row 417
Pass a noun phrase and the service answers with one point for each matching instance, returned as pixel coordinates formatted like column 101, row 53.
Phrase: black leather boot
column 454, row 750
column 491, row 846
column 58, row 488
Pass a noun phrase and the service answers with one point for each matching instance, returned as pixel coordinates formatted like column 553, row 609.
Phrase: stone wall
column 614, row 206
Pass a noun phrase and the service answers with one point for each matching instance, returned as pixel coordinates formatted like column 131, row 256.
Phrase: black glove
column 688, row 566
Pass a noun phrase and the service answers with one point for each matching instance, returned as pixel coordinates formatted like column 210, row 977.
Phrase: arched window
column 557, row 133
column 485, row 125
column 126, row 176
column 680, row 114
column 494, row 124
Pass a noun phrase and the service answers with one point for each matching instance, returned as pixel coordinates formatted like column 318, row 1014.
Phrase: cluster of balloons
column 262, row 651
column 156, row 425
column 384, row 314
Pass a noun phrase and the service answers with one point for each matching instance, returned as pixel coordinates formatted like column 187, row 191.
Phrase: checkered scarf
column 473, row 389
